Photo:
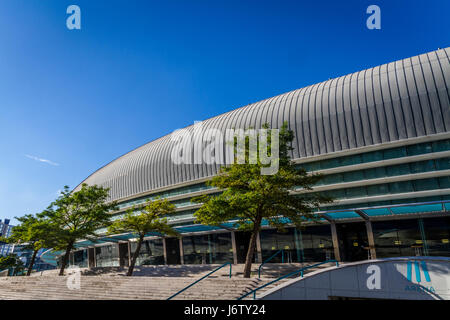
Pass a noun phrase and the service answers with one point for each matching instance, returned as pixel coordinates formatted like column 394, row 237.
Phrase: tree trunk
column 135, row 256
column 251, row 249
column 33, row 258
column 65, row 259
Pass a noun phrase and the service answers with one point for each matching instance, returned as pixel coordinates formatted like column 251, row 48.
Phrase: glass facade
column 412, row 237
column 151, row 253
column 386, row 154
column 166, row 194
column 407, row 237
column 80, row 258
column 387, row 171
column 107, row 256
column 313, row 243
column 206, row 249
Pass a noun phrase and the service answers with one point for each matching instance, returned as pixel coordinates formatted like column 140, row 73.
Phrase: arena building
column 380, row 137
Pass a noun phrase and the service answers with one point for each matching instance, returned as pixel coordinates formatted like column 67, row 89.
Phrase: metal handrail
column 285, row 276
column 197, row 281
column 271, row 257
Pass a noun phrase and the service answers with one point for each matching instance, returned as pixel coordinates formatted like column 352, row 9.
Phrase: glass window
column 397, row 238
column 417, row 149
column 372, row 156
column 443, row 164
column 207, row 249
column 273, row 241
column 353, row 176
column 426, row 184
column 394, row 153
column 437, row 232
column 332, row 179
column 377, row 189
column 400, row 187
column 107, row 256
column 151, row 253
column 316, row 244
column 398, row 170
column 444, row 182
column 443, row 145
column 375, row 173
column 329, row 163
column 336, row 194
column 80, row 258
column 422, row 166
column 356, row 192
column 350, row 160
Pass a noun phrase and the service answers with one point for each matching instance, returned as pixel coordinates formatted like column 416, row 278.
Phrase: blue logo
column 418, row 276
column 417, row 271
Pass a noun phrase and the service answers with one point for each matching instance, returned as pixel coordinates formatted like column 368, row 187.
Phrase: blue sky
column 140, row 69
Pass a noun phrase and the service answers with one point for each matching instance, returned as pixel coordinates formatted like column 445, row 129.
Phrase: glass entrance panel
column 207, row 249
column 80, row 258
column 437, row 236
column 173, row 251
column 107, row 256
column 311, row 244
column 353, row 243
column 151, row 253
column 242, row 244
column 395, row 238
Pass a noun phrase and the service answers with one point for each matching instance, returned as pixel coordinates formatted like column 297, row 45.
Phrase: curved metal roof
column 400, row 100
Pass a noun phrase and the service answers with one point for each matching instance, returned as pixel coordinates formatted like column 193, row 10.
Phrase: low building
column 5, row 232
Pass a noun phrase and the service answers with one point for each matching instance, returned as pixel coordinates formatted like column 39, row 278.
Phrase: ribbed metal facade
column 392, row 102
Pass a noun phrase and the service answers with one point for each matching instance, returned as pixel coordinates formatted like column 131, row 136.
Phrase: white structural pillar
column 181, row 251
column 335, row 239
column 165, row 250
column 373, row 252
column 233, row 246
column 258, row 248
column 129, row 253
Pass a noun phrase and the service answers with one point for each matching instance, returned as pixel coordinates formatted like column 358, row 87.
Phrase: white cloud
column 42, row 160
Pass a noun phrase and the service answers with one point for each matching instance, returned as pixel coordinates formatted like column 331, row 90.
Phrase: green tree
column 249, row 196
column 79, row 215
column 11, row 261
column 33, row 233
column 151, row 218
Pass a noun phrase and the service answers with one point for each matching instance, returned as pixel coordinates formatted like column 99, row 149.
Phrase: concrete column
column 373, row 253
column 129, row 253
column 165, row 250
column 334, row 236
column 233, row 246
column 181, row 251
column 258, row 248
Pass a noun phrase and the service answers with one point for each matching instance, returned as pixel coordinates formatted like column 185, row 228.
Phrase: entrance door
column 123, row 254
column 173, row 251
column 242, row 244
column 353, row 243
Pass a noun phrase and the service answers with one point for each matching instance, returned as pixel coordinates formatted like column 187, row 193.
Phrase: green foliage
column 11, row 261
column 248, row 196
column 79, row 215
column 151, row 218
column 33, row 232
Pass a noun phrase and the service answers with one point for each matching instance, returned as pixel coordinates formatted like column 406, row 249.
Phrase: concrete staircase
column 148, row 283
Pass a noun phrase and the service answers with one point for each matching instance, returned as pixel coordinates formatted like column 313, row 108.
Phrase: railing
column 286, row 276
column 271, row 257
column 197, row 281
